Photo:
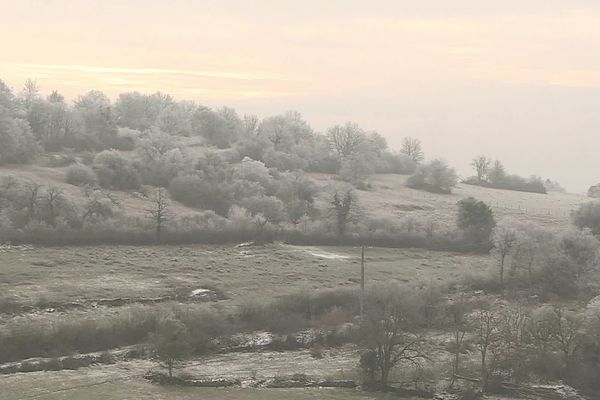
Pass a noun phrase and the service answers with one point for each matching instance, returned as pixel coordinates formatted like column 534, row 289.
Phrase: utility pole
column 362, row 282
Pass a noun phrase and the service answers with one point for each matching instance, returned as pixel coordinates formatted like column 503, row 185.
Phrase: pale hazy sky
column 515, row 80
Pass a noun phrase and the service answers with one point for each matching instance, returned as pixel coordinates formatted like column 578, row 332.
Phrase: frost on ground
column 97, row 381
column 320, row 253
column 340, row 363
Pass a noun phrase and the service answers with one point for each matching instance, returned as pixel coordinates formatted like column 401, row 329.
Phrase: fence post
column 362, row 281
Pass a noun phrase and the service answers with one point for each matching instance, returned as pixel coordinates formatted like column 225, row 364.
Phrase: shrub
column 22, row 340
column 202, row 325
column 17, row 144
column 159, row 158
column 214, row 127
column 436, row 177
column 588, row 216
column 171, row 342
column 270, row 207
column 116, row 172
column 197, row 192
column 559, row 277
column 475, row 219
column 394, row 163
column 80, row 175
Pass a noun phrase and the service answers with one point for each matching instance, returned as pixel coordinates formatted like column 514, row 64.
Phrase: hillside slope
column 388, row 198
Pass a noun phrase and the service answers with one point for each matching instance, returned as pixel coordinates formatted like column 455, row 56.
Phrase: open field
column 40, row 276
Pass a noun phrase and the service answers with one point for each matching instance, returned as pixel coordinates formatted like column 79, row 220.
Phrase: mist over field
column 267, row 199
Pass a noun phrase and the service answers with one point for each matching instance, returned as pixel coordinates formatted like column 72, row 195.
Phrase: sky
column 514, row 80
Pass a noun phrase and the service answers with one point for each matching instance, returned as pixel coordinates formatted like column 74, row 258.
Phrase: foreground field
column 45, row 279
column 125, row 381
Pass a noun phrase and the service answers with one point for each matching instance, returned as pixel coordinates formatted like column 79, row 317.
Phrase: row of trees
column 492, row 173
column 491, row 345
column 285, row 142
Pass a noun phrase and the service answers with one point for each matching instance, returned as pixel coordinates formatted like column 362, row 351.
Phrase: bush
column 197, row 192
column 116, row 172
column 160, row 159
column 22, row 340
column 434, row 177
column 17, row 144
column 80, row 175
column 475, row 219
column 270, row 207
column 588, row 216
column 171, row 342
column 559, row 277
column 214, row 128
column 394, row 163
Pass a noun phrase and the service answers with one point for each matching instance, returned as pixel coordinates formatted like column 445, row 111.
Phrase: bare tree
column 52, row 200
column 250, row 125
column 496, row 173
column 412, row 148
column 481, row 164
column 160, row 210
column 489, row 337
column 346, row 140
column 389, row 332
column 260, row 221
column 457, row 313
column 539, row 329
column 429, row 226
column 505, row 239
column 567, row 333
column 31, row 198
column 30, row 92
column 343, row 207
column 98, row 204
column 514, row 347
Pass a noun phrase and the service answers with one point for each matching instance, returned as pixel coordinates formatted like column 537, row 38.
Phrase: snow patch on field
column 328, row 256
column 318, row 252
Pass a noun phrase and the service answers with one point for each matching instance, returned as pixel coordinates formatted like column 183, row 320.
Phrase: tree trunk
column 385, row 372
column 484, row 375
